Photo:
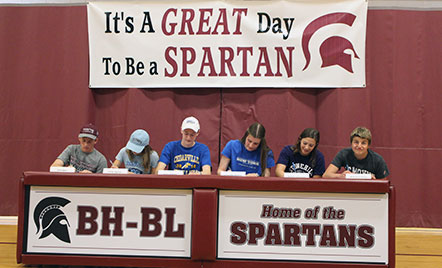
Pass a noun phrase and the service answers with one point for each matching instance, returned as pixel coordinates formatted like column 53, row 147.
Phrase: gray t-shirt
column 136, row 165
column 372, row 164
column 74, row 156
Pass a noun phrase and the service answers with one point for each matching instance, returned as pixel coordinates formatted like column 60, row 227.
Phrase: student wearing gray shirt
column 83, row 157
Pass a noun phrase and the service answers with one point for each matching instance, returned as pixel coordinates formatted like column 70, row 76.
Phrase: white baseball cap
column 191, row 123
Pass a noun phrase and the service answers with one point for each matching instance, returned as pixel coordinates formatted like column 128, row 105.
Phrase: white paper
column 115, row 171
column 62, row 169
column 170, row 172
column 233, row 173
column 296, row 175
column 358, row 176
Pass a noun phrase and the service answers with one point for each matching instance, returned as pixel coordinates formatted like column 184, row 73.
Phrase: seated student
column 358, row 159
column 138, row 157
column 250, row 154
column 304, row 157
column 187, row 154
column 83, row 157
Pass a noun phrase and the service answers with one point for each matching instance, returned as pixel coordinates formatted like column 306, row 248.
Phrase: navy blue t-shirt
column 298, row 163
column 373, row 163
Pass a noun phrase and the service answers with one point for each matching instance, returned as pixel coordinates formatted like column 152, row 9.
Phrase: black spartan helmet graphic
column 51, row 219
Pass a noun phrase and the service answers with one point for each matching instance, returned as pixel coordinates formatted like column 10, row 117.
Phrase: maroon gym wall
column 44, row 100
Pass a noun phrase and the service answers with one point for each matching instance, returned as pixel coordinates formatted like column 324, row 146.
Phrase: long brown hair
column 258, row 131
column 145, row 154
column 308, row 133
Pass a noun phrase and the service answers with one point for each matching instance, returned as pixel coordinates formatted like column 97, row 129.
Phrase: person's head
column 190, row 129
column 88, row 137
column 138, row 144
column 254, row 138
column 138, row 140
column 360, row 139
column 308, row 141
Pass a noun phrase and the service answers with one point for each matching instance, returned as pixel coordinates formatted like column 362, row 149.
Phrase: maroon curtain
column 44, row 100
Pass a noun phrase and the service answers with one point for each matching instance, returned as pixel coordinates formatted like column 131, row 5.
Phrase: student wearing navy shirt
column 358, row 159
column 304, row 157
column 250, row 154
column 186, row 154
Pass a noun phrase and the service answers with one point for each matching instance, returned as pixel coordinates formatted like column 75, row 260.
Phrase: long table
column 204, row 221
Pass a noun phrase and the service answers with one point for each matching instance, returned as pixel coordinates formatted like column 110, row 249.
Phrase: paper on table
column 233, row 173
column 296, row 175
column 62, row 169
column 358, row 176
column 170, row 172
column 115, row 171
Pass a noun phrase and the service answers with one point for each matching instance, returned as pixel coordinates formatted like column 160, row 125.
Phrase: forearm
column 154, row 170
column 206, row 170
column 161, row 166
column 223, row 164
column 332, row 172
column 57, row 163
column 116, row 164
column 267, row 172
column 331, row 175
column 219, row 170
column 280, row 168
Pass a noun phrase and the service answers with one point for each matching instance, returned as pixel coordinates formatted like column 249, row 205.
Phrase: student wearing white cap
column 187, row 154
column 138, row 156
column 83, row 157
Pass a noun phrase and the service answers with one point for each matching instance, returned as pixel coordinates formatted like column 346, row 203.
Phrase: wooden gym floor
column 415, row 247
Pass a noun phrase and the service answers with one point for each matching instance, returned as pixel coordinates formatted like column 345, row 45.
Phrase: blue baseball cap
column 138, row 140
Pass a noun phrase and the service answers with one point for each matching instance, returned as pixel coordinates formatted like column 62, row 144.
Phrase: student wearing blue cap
column 138, row 157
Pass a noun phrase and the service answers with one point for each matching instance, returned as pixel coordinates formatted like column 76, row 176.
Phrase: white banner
column 109, row 221
column 303, row 226
column 291, row 43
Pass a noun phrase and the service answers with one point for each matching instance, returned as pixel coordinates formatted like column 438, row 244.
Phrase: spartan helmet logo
column 49, row 219
column 332, row 49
